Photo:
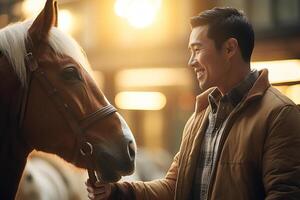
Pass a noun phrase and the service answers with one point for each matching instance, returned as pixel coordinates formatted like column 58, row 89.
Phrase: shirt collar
column 214, row 99
column 235, row 95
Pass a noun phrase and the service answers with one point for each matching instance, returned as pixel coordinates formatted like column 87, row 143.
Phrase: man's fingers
column 91, row 196
column 96, row 190
column 102, row 196
column 97, row 184
column 90, row 189
column 97, row 197
column 100, row 191
column 88, row 183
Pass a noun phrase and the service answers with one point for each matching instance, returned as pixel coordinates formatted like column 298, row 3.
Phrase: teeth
column 199, row 70
column 200, row 73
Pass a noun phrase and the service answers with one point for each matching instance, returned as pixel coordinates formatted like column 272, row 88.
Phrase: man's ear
column 231, row 46
column 41, row 26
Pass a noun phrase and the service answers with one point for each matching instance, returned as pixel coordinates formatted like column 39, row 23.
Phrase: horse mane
column 14, row 37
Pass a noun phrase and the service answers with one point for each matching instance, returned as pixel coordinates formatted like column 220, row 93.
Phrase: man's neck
column 234, row 77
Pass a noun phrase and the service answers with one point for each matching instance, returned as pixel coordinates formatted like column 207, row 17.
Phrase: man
column 243, row 140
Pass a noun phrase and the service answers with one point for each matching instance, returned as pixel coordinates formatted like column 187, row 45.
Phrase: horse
column 50, row 102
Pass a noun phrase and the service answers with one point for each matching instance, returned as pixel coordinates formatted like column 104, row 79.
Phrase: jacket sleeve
column 281, row 160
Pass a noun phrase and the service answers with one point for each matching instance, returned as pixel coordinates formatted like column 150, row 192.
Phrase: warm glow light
column 152, row 77
column 293, row 92
column 121, row 7
column 138, row 13
column 280, row 70
column 140, row 100
column 31, row 8
column 65, row 20
column 98, row 76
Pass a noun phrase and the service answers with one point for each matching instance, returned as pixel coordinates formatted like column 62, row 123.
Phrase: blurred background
column 138, row 51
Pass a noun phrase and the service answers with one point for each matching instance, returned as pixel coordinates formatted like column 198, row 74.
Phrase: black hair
column 224, row 23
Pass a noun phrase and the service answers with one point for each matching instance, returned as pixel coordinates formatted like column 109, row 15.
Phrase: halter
column 85, row 147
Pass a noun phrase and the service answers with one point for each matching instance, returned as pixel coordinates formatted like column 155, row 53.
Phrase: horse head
column 60, row 109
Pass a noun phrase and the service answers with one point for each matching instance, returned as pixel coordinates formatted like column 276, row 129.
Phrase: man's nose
column 192, row 62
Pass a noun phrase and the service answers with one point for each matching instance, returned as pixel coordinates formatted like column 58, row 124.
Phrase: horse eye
column 71, row 74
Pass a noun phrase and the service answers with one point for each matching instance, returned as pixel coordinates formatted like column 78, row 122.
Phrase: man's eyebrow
column 194, row 44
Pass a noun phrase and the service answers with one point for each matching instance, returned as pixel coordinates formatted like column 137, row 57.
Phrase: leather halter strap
column 78, row 127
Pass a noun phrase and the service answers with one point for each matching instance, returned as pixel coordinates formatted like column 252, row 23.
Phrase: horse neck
column 13, row 157
column 13, row 152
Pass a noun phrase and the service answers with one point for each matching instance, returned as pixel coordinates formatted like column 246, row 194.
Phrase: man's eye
column 71, row 74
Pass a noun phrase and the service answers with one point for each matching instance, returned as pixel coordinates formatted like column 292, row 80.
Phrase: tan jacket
column 258, row 158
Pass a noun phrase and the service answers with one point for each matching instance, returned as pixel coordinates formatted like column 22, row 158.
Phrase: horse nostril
column 131, row 150
column 29, row 178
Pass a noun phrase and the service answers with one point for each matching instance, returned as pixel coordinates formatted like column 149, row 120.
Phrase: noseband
column 84, row 147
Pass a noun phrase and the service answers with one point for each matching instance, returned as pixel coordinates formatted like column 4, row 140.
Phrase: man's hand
column 98, row 191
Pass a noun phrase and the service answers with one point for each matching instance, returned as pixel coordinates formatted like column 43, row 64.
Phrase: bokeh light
column 31, row 8
column 65, row 21
column 280, row 70
column 130, row 100
column 138, row 13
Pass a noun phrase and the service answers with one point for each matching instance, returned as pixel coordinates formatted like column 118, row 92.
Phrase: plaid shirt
column 221, row 107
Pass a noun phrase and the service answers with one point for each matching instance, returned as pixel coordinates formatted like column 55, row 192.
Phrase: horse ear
column 41, row 26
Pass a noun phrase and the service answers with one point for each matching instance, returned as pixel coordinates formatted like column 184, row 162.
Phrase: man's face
column 206, row 60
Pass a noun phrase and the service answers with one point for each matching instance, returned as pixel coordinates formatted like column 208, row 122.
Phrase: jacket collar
column 258, row 89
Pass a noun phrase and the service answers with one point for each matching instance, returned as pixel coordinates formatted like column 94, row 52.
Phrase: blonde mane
column 12, row 45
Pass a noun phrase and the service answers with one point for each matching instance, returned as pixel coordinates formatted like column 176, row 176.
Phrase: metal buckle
column 87, row 151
